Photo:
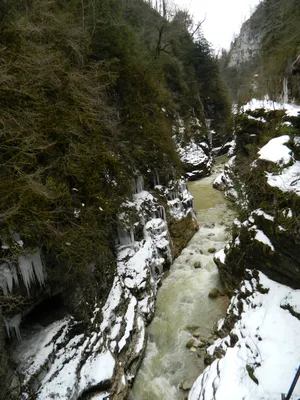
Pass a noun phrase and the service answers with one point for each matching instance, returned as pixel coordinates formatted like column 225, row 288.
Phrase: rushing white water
column 183, row 302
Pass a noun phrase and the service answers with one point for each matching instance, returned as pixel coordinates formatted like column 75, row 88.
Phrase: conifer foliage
column 84, row 85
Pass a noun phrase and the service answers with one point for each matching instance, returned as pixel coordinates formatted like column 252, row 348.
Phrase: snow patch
column 276, row 151
column 268, row 344
column 288, row 180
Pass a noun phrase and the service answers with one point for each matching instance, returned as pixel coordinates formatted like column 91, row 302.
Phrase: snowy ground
column 260, row 356
column 268, row 105
column 276, row 151
column 262, row 350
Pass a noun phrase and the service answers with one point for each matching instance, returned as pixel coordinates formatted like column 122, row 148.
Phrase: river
column 183, row 303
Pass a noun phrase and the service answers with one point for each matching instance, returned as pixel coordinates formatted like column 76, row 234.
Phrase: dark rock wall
column 279, row 215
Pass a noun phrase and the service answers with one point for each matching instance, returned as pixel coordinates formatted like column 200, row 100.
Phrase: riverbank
column 257, row 353
column 183, row 307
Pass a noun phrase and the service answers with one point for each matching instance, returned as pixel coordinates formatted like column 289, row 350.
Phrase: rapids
column 183, row 302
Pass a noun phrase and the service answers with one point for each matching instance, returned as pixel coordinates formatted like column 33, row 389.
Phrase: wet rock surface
column 214, row 293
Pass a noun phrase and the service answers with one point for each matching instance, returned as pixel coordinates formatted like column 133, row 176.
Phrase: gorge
column 119, row 253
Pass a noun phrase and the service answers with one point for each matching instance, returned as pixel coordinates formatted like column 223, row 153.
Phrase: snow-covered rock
column 225, row 181
column 257, row 353
column 196, row 159
column 227, row 148
column 193, row 152
column 287, row 180
column 67, row 358
column 276, row 151
column 261, row 349
column 291, row 110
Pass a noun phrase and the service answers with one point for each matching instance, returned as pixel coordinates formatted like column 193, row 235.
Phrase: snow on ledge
column 276, row 151
column 261, row 213
column 288, row 180
column 268, row 345
column 261, row 237
column 97, row 368
column 221, row 256
column 291, row 110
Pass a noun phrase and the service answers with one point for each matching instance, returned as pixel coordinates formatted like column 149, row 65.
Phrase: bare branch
column 198, row 26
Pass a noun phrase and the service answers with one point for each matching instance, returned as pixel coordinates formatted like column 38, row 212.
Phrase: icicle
column 124, row 237
column 133, row 186
column 4, row 245
column 138, row 185
column 131, row 236
column 31, row 268
column 26, row 269
column 13, row 325
column 8, row 276
column 162, row 212
column 38, row 267
column 17, row 238
column 172, row 195
column 285, row 90
column 156, row 178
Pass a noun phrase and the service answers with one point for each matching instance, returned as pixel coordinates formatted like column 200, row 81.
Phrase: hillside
column 260, row 57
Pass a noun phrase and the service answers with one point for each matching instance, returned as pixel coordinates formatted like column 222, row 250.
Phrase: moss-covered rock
column 181, row 231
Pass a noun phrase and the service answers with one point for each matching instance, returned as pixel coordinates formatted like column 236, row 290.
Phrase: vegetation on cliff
column 264, row 176
column 89, row 91
column 274, row 27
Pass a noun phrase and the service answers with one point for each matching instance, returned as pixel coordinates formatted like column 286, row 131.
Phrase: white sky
column 223, row 17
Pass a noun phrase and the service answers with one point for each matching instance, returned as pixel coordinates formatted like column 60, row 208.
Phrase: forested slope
column 83, row 88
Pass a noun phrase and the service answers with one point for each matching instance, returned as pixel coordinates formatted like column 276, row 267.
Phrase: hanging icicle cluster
column 138, row 185
column 155, row 178
column 125, row 237
column 30, row 267
column 12, row 326
column 161, row 212
column 172, row 194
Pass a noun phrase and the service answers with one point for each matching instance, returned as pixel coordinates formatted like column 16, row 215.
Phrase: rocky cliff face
column 70, row 358
column 246, row 46
column 260, row 265
column 260, row 59
column 193, row 150
column 263, row 180
column 88, row 342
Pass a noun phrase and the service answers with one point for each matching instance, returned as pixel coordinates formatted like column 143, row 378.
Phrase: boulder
column 214, row 293
column 186, row 384
column 208, row 359
column 196, row 333
column 191, row 343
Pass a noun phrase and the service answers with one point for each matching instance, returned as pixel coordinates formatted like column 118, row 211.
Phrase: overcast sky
column 223, row 17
